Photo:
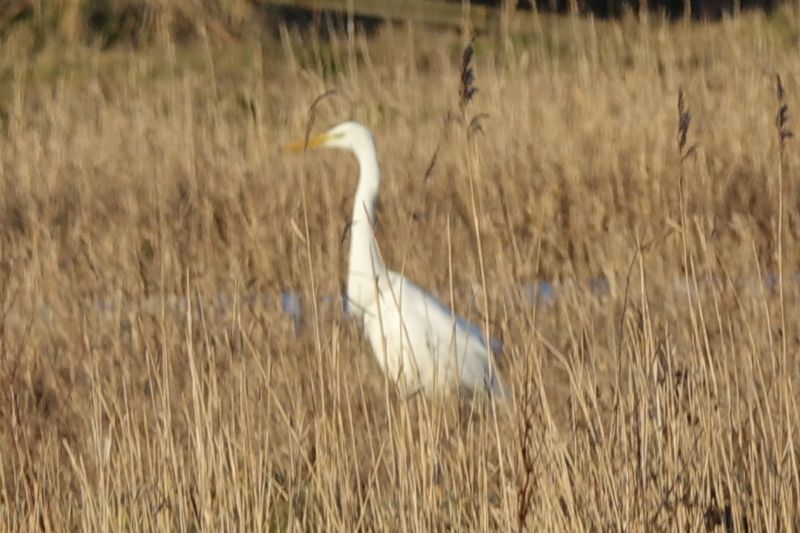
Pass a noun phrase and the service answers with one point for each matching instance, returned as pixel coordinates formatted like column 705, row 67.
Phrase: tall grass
column 149, row 223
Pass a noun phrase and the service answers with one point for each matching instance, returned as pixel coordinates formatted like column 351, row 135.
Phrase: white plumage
column 417, row 340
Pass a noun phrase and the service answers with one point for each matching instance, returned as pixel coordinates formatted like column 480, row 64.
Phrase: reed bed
column 141, row 183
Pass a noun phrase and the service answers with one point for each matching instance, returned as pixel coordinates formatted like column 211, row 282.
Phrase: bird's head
column 345, row 136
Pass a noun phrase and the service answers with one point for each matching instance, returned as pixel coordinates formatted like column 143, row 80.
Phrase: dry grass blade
column 311, row 114
column 429, row 169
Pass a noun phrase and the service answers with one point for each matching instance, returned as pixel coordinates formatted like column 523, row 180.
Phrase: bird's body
column 422, row 345
column 418, row 341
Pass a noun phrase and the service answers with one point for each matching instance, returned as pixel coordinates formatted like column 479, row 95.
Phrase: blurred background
column 136, row 21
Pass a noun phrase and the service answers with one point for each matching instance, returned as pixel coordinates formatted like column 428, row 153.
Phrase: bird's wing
column 445, row 332
column 440, row 315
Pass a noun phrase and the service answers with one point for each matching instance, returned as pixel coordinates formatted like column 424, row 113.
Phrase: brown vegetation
column 149, row 223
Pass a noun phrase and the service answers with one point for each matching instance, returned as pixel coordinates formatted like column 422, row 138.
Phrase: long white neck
column 365, row 261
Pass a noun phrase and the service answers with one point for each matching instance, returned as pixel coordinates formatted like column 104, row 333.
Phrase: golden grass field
column 149, row 223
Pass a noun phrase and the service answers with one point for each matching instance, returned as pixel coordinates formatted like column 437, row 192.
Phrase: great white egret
column 418, row 341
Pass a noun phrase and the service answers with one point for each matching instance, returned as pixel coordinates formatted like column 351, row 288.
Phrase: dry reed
column 152, row 381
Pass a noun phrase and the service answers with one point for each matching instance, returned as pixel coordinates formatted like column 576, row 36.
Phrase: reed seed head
column 782, row 118
column 684, row 120
column 467, row 88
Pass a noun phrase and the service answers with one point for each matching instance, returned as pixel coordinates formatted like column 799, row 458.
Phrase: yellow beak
column 313, row 142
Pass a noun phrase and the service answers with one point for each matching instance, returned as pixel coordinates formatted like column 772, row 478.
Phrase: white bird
column 418, row 341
